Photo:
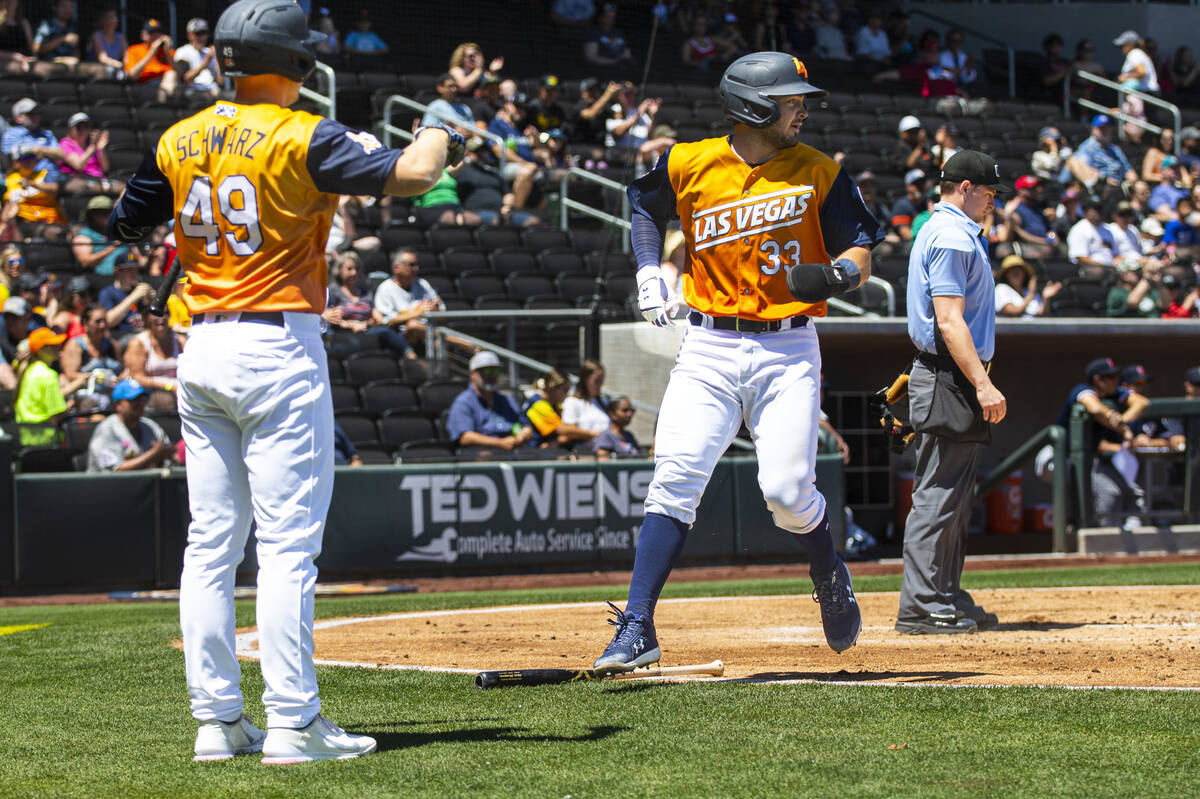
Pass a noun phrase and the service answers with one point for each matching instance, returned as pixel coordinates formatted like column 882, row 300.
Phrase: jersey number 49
column 237, row 201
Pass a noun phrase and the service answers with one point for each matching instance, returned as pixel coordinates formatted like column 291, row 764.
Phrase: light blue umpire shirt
column 949, row 258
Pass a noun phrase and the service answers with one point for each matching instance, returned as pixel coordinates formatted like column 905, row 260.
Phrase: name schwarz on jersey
column 749, row 215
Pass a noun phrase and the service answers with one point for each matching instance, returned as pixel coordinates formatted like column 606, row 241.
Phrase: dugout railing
column 1148, row 99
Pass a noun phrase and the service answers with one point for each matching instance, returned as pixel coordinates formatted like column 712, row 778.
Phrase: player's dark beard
column 780, row 138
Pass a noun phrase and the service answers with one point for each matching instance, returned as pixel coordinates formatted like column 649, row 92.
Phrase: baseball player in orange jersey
column 762, row 214
column 252, row 187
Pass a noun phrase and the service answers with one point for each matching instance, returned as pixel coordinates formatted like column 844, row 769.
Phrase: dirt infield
column 1135, row 637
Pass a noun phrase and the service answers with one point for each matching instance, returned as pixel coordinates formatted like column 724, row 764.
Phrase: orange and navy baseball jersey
column 252, row 190
column 745, row 226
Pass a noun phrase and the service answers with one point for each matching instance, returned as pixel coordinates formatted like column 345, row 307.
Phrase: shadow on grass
column 408, row 740
column 861, row 676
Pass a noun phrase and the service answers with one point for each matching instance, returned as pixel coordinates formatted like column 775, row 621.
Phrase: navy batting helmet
column 265, row 37
column 751, row 84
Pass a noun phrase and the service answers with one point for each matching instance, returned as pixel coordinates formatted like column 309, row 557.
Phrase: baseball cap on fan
column 979, row 168
column 128, row 389
column 1128, row 37
column 908, row 123
column 1132, row 375
column 197, row 25
column 26, row 105
column 483, row 360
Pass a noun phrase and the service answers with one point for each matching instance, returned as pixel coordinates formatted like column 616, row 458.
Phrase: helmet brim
column 801, row 87
column 314, row 38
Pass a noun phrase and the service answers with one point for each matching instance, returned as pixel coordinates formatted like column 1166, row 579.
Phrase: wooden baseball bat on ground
column 499, row 679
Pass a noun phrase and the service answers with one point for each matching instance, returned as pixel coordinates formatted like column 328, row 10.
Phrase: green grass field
column 94, row 706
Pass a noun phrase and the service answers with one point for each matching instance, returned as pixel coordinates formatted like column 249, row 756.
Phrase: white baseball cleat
column 320, row 740
column 221, row 740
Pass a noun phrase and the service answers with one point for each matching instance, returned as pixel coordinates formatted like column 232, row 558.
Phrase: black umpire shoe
column 934, row 624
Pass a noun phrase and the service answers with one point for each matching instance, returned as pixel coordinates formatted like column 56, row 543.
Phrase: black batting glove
column 818, row 282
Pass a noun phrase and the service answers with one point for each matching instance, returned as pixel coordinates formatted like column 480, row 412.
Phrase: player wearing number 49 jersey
column 763, row 216
column 252, row 187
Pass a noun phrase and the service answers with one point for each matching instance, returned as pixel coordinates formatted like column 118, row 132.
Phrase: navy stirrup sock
column 659, row 545
column 821, row 555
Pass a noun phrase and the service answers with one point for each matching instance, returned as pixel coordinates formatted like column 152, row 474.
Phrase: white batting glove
column 653, row 297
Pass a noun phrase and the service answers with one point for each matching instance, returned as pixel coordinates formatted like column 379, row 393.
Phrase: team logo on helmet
column 801, row 70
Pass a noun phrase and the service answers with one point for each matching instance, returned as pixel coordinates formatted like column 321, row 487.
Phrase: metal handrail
column 390, row 130
column 1057, row 437
column 1121, row 91
column 1012, row 58
column 567, row 204
column 327, row 102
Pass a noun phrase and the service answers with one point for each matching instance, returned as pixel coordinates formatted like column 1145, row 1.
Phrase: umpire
column 951, row 320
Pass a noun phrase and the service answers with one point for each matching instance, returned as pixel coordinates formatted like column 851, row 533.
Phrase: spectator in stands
column 587, row 120
column 1176, row 304
column 152, row 359
column 85, row 158
column 572, row 13
column 441, row 204
column 958, row 63
column 932, row 197
column 1097, row 161
column 328, row 49
column 631, row 126
column 1115, row 495
column 151, row 62
column 126, row 441
column 830, row 41
column 122, row 296
column 486, row 100
column 1159, row 149
column 95, row 354
column 699, row 49
column 868, row 188
column 911, row 151
column 1051, row 156
column 1017, row 289
column 94, row 251
column 518, row 166
column 616, row 441
column 28, row 130
column 483, row 192
column 1166, row 195
column 906, row 208
column 1181, row 236
column 1027, row 219
column 362, row 46
column 402, row 302
column 1088, row 243
column 31, row 206
column 1085, row 61
column 871, row 41
column 1183, row 71
column 343, row 232
column 16, row 38
column 587, row 406
column 1135, row 294
column 730, row 41
column 1139, row 73
column 344, row 451
column 107, row 45
column 606, row 48
column 18, row 324
column 68, row 317
column 482, row 415
column 41, row 396
column 56, row 40
column 1189, row 151
column 543, row 411
column 467, row 67
column 545, row 112
column 12, row 266
column 904, row 48
column 448, row 108
column 196, row 62
column 1055, row 69
column 351, row 307
column 1128, row 246
column 945, row 145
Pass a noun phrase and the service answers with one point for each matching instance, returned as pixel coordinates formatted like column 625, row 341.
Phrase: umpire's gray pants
column 936, row 532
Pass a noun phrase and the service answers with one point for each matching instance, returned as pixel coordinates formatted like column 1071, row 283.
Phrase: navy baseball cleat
column 634, row 644
column 839, row 611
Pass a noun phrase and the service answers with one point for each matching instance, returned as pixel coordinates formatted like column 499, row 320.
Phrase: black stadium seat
column 494, row 238
column 437, row 395
column 556, row 262
column 522, row 287
column 477, row 284
column 539, row 239
column 358, row 427
column 393, row 394
column 445, row 237
column 345, row 397
column 400, row 427
column 457, row 260
column 507, row 260
column 366, row 367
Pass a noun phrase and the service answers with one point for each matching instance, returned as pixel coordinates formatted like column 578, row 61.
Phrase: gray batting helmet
column 751, row 83
column 261, row 37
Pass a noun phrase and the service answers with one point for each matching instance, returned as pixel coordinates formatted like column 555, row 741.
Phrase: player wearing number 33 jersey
column 252, row 187
column 773, row 228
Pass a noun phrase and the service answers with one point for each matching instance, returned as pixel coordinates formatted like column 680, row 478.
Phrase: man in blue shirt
column 28, row 130
column 518, row 165
column 482, row 416
column 1098, row 160
column 1167, row 194
column 952, row 322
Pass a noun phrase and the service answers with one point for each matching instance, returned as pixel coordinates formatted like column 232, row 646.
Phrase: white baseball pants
column 721, row 378
column 258, row 425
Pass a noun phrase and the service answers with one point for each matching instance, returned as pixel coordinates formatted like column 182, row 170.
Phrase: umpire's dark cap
column 1101, row 367
column 979, row 168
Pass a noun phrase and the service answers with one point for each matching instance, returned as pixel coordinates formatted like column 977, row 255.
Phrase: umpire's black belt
column 740, row 325
column 934, row 361
column 258, row 317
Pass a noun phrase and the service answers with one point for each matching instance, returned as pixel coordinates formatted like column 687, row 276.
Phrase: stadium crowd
column 1102, row 222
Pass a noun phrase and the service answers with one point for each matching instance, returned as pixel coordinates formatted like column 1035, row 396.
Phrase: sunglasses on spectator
column 14, row 261
column 490, row 371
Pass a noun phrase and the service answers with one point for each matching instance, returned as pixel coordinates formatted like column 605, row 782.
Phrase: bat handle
column 158, row 306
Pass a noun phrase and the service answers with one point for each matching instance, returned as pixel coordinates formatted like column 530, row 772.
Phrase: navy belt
column 740, row 325
column 258, row 317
